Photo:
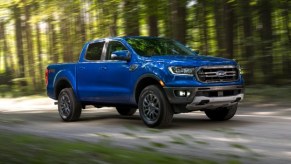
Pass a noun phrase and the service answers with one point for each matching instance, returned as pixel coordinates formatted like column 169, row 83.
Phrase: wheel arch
column 61, row 84
column 144, row 81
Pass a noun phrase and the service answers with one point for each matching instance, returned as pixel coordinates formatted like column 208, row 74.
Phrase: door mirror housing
column 120, row 55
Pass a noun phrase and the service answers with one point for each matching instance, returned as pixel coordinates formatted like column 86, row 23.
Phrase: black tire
column 126, row 111
column 69, row 108
column 221, row 114
column 154, row 108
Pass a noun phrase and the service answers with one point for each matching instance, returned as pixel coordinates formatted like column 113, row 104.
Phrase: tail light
column 46, row 76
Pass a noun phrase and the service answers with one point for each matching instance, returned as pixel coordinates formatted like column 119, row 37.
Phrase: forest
column 35, row 33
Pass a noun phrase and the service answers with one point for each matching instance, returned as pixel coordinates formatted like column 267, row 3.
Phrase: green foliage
column 232, row 28
column 18, row 148
column 267, row 93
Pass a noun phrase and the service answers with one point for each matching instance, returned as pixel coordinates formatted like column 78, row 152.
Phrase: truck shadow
column 113, row 119
column 187, row 122
column 204, row 123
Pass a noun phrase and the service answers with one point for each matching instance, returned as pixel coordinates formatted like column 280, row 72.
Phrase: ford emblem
column 220, row 73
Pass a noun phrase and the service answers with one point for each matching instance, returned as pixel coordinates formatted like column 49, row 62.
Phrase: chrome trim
column 219, row 88
column 170, row 68
column 214, row 102
column 215, row 74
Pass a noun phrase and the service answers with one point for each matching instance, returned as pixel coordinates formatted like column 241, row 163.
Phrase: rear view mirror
column 120, row 55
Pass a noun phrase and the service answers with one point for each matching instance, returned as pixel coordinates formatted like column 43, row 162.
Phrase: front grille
column 210, row 74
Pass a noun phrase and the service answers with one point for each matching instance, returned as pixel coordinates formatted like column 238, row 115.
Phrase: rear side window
column 94, row 51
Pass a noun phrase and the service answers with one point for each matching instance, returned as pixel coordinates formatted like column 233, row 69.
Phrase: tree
column 256, row 32
column 131, row 17
column 16, row 10
column 229, row 28
column 248, row 48
column 29, row 43
column 202, row 15
column 52, row 42
column 286, row 57
column 152, row 17
column 218, row 16
column 39, row 53
column 5, row 46
column 179, row 24
column 265, row 10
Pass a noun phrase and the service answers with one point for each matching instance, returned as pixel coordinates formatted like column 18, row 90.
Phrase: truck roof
column 122, row 38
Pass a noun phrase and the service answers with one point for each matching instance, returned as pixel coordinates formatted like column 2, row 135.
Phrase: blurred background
column 35, row 33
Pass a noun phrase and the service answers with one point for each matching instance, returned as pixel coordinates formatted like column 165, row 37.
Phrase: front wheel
column 221, row 114
column 69, row 108
column 154, row 108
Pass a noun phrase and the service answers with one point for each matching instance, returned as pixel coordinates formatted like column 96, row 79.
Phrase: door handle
column 82, row 68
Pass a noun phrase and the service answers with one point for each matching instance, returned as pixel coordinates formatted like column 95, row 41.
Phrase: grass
column 8, row 91
column 158, row 145
column 265, row 93
column 20, row 148
column 129, row 134
column 178, row 140
column 239, row 146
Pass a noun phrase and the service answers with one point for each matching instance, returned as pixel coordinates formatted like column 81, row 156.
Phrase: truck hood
column 196, row 61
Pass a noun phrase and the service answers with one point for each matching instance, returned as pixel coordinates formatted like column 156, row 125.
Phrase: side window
column 94, row 51
column 114, row 46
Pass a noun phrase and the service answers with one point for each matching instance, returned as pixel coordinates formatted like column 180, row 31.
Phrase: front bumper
column 200, row 98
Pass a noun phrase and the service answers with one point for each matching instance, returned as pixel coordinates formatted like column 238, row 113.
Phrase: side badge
column 133, row 67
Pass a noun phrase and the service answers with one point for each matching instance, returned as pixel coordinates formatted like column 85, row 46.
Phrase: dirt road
column 257, row 134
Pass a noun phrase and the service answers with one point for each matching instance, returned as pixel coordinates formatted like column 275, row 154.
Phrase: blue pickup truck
column 159, row 76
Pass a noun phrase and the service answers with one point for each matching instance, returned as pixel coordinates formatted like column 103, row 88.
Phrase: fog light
column 182, row 93
column 188, row 93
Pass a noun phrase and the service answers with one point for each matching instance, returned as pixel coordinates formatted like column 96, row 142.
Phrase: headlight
column 182, row 70
column 240, row 69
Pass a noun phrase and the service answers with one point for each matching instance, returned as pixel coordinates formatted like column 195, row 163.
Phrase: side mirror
column 120, row 55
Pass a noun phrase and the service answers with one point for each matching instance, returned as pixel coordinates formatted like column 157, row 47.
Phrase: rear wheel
column 221, row 114
column 69, row 108
column 126, row 111
column 154, row 107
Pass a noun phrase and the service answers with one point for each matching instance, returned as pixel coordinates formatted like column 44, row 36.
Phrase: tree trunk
column 247, row 40
column 91, row 21
column 202, row 12
column 179, row 20
column 4, row 48
column 113, row 27
column 267, row 40
column 131, row 17
column 151, row 9
column 1, row 45
column 286, row 11
column 19, row 43
column 78, row 41
column 167, row 19
column 218, row 15
column 53, row 53
column 29, row 46
column 229, row 28
column 81, row 17
column 286, row 57
column 39, row 53
column 65, row 34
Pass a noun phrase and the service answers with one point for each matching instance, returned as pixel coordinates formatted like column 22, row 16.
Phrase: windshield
column 158, row 47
